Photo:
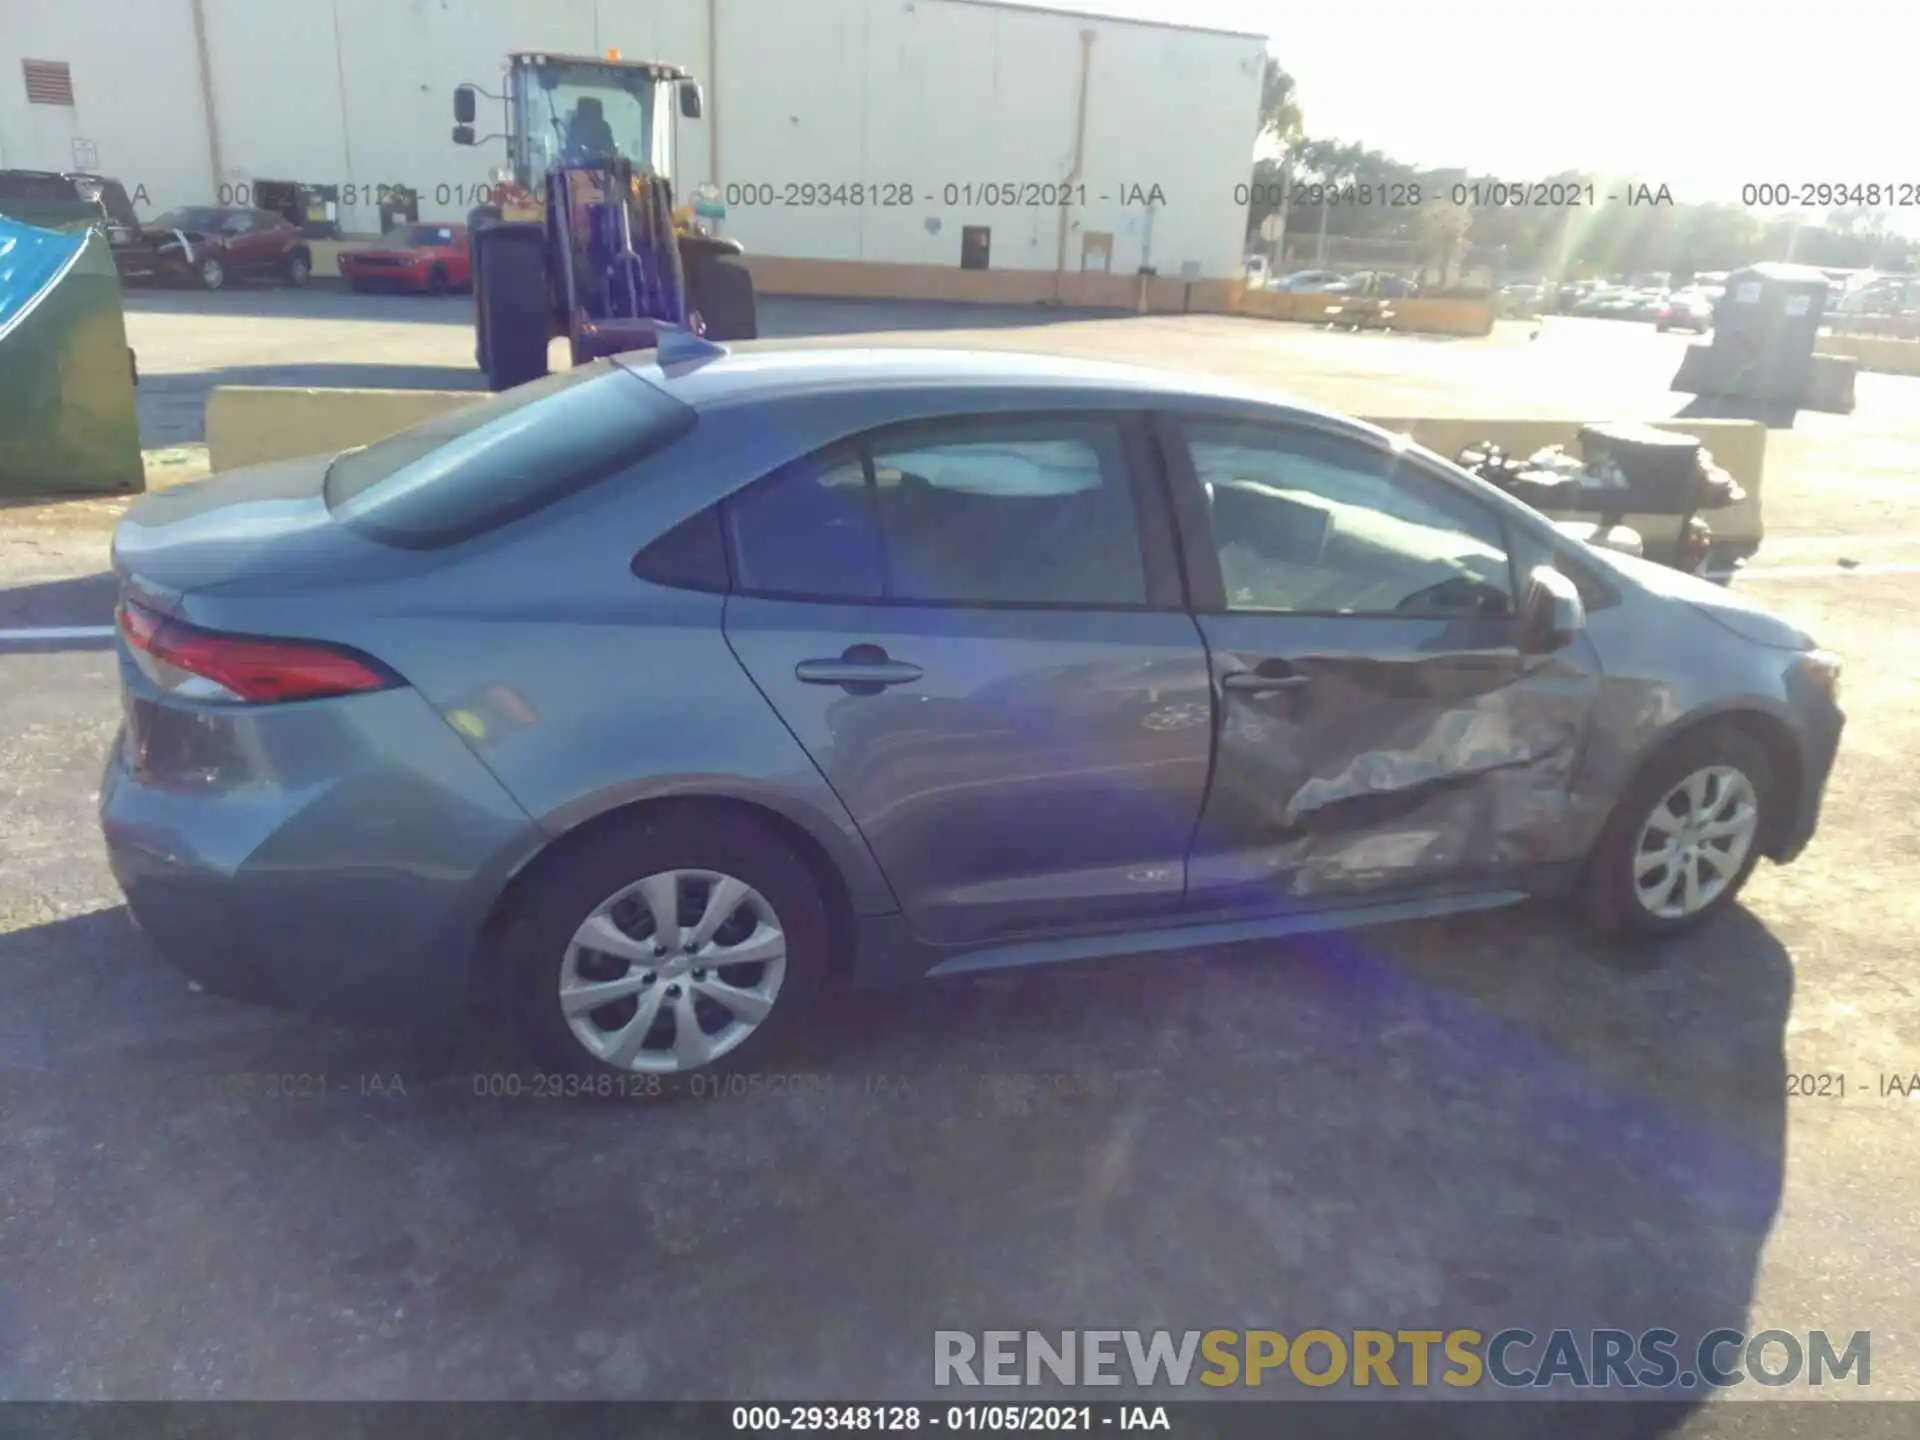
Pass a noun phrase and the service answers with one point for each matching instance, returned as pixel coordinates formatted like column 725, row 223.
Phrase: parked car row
column 1647, row 298
column 212, row 246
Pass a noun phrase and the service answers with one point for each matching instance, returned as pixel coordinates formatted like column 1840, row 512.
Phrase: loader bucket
column 67, row 417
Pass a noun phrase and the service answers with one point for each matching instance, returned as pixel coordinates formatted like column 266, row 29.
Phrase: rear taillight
column 198, row 664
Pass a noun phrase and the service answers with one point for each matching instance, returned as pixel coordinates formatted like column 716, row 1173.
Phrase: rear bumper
column 352, row 881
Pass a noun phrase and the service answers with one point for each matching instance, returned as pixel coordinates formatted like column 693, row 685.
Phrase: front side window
column 1307, row 523
column 1016, row 512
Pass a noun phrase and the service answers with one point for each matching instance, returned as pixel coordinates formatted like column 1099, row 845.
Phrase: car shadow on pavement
column 1474, row 1124
column 85, row 600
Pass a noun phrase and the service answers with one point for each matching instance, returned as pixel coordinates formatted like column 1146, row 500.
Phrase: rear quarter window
column 470, row 471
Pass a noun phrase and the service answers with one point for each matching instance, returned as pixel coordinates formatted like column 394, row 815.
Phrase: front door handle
column 1262, row 682
column 862, row 669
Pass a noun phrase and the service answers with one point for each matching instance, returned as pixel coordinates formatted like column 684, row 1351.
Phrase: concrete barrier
column 1739, row 447
column 1882, row 354
column 251, row 424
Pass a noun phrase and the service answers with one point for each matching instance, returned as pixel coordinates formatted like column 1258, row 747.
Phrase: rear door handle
column 861, row 668
column 1256, row 682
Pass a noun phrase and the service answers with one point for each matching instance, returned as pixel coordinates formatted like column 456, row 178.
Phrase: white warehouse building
column 967, row 116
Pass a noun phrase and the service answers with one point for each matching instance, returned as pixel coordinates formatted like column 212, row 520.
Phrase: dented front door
column 1402, row 755
column 1379, row 730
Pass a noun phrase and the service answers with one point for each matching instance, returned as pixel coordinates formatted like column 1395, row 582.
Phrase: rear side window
column 1002, row 511
column 472, row 470
column 807, row 532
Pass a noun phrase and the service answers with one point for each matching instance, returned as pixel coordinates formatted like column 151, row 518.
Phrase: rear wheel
column 1682, row 841
column 720, row 291
column 510, row 308
column 298, row 269
column 211, row 274
column 687, row 940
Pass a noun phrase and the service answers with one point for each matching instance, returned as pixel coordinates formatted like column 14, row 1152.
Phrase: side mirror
column 690, row 99
column 1551, row 614
column 463, row 104
column 463, row 134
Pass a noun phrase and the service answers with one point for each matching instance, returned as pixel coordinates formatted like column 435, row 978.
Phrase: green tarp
column 67, row 417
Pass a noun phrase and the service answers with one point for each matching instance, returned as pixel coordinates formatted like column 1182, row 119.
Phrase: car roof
column 780, row 370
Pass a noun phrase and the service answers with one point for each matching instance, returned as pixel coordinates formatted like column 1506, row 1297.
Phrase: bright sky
column 1701, row 97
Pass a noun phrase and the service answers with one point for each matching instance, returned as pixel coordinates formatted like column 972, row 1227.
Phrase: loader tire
column 510, row 308
column 721, row 290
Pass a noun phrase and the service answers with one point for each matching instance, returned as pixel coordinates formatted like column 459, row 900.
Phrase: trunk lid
column 261, row 530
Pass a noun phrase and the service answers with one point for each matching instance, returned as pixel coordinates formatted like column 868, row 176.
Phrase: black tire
column 358, row 287
column 510, row 308
column 210, row 274
column 720, row 289
column 530, row 950
column 1607, row 895
column 436, row 280
column 297, row 269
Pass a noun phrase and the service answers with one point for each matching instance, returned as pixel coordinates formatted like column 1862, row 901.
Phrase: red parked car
column 413, row 256
column 213, row 245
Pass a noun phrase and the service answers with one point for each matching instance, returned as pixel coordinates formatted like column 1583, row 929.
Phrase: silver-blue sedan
column 651, row 704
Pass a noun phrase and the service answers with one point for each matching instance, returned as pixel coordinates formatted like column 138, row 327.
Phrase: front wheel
column 211, row 274
column 686, row 940
column 1684, row 837
column 297, row 270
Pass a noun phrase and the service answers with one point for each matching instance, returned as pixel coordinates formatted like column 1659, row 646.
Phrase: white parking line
column 59, row 632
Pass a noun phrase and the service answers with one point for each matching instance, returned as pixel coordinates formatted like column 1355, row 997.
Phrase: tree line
column 1602, row 239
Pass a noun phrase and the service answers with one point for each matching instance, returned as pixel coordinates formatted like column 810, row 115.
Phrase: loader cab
column 569, row 112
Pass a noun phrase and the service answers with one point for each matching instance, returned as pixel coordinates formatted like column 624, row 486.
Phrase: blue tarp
column 31, row 260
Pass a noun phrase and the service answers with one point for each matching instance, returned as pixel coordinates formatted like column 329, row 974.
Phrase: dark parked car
column 57, row 200
column 213, row 245
column 1367, row 282
column 646, row 704
column 1685, row 310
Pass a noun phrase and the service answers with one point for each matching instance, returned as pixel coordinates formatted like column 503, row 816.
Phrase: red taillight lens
column 245, row 667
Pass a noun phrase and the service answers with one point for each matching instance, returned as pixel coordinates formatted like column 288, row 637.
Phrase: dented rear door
column 1379, row 731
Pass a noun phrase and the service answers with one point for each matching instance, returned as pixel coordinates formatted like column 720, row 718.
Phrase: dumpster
column 67, row 417
column 1764, row 328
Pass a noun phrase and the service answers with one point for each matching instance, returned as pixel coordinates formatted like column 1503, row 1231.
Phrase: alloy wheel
column 212, row 274
column 1694, row 843
column 672, row 972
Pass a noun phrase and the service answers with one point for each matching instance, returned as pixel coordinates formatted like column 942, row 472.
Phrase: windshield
column 192, row 218
column 574, row 112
